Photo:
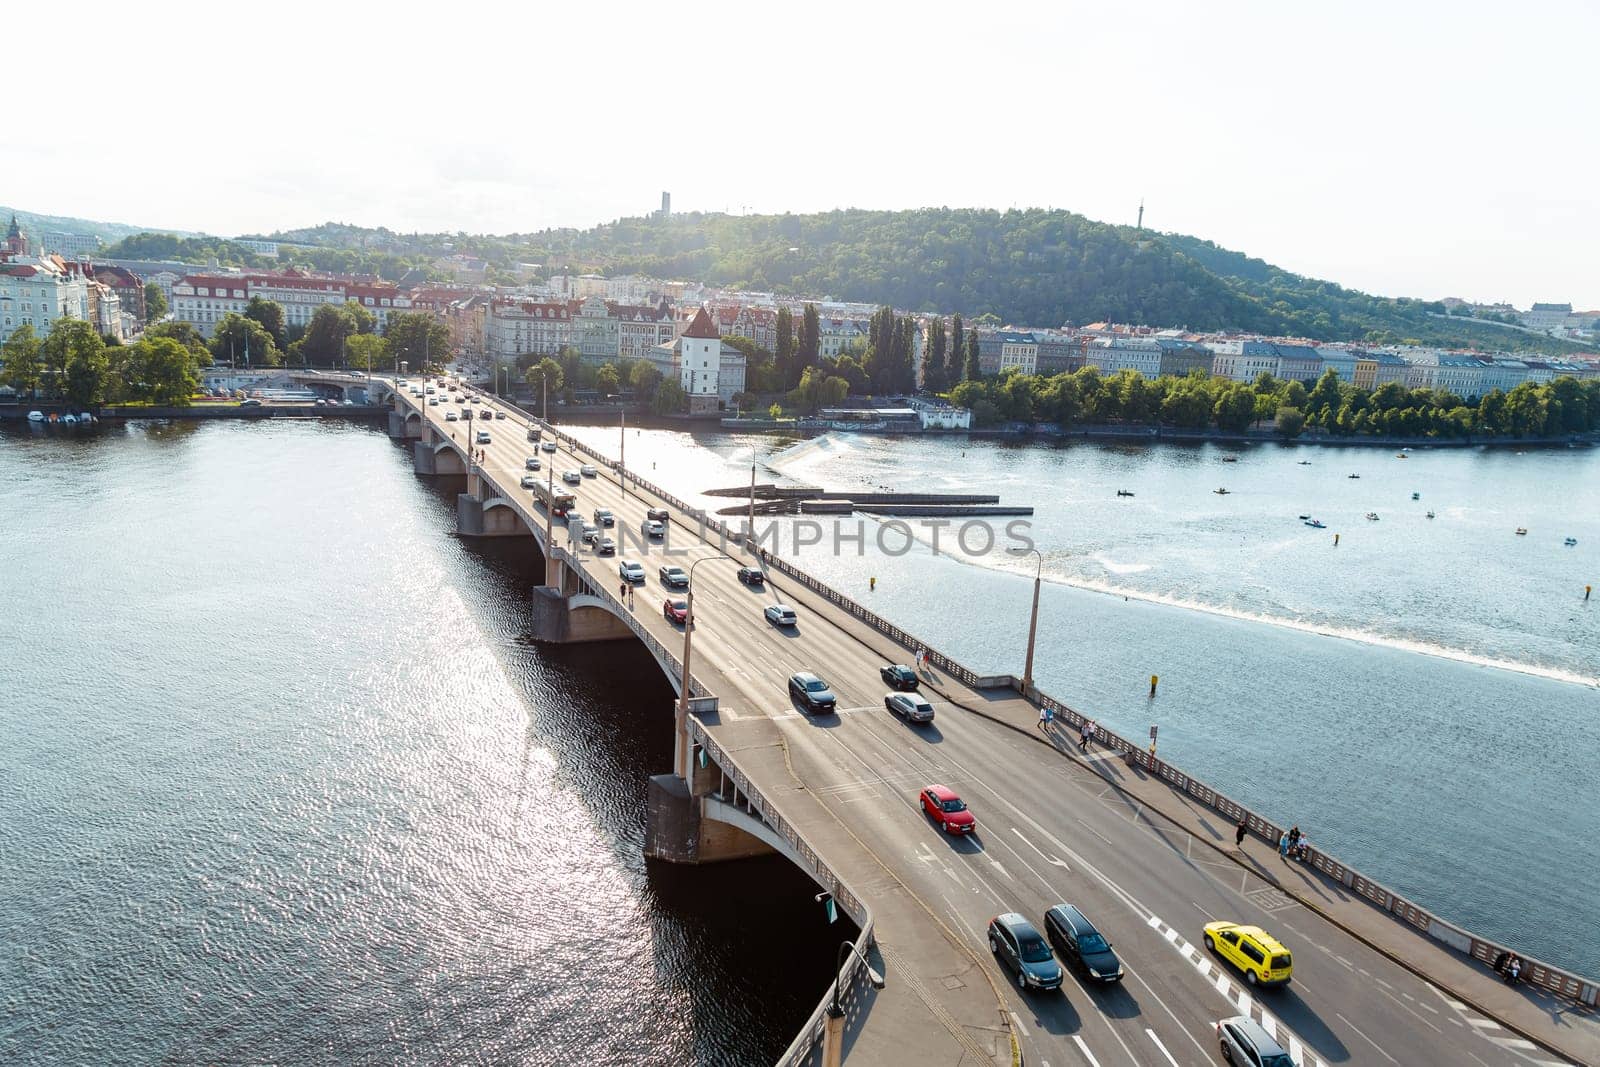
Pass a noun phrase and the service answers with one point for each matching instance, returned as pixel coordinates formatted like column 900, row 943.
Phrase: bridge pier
column 563, row 618
column 477, row 518
column 677, row 830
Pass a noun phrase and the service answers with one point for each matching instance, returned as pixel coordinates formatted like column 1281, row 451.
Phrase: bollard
column 1153, row 680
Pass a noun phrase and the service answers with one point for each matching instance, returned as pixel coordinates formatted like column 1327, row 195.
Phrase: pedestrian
column 1294, row 838
column 1283, row 847
column 1513, row 970
column 1044, row 717
column 622, row 592
column 1085, row 735
column 1500, row 962
column 1239, row 830
column 630, row 596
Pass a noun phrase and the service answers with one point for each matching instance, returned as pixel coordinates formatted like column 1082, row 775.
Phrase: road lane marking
column 1085, row 1050
column 1096, row 833
column 1367, row 1039
column 1160, row 1046
column 1047, row 859
column 1016, row 1020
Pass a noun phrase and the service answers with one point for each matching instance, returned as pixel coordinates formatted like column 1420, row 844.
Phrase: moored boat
column 35, row 416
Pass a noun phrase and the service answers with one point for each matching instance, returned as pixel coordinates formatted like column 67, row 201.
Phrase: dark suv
column 812, row 691
column 1019, row 947
column 1078, row 943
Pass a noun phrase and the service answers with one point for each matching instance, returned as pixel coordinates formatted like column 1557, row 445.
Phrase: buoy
column 1153, row 680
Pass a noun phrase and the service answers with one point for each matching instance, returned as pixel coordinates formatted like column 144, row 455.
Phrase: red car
column 675, row 610
column 940, row 803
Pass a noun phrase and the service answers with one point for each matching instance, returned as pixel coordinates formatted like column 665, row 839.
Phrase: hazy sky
column 1402, row 148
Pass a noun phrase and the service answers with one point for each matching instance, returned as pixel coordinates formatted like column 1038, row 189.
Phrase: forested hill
column 1034, row 267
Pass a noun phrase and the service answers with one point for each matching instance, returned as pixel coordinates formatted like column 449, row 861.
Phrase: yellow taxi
column 1261, row 957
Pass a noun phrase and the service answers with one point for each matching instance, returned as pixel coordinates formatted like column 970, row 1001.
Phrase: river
column 284, row 782
column 1420, row 698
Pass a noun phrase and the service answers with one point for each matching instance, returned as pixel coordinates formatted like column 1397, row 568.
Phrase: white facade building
column 70, row 245
column 39, row 293
column 1111, row 354
column 513, row 327
column 700, row 363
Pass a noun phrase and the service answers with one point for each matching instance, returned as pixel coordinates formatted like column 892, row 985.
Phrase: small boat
column 70, row 419
column 1305, row 463
column 1305, row 516
column 1220, row 492
column 1355, row 476
column 35, row 416
column 1522, row 531
column 1571, row 541
column 1372, row 516
column 1430, row 513
column 1124, row 492
column 1317, row 524
column 1230, row 459
column 1416, row 496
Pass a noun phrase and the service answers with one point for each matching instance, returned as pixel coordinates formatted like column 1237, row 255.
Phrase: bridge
column 1145, row 850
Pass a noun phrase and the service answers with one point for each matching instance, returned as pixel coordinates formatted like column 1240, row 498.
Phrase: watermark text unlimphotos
column 795, row 538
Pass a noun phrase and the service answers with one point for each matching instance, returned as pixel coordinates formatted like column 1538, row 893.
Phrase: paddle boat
column 1372, row 516
column 1317, row 524
column 1124, row 492
column 1305, row 516
column 1416, row 496
column 1522, row 531
column 1230, row 459
column 1430, row 513
column 1571, row 541
column 1355, row 476
column 1220, row 492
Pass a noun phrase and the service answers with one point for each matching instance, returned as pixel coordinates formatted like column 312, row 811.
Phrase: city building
column 39, row 291
column 1547, row 316
column 1060, row 351
column 513, row 327
column 1299, row 363
column 1180, row 357
column 1241, row 360
column 837, row 336
column 700, row 363
column 1116, row 353
column 1018, row 351
column 1373, row 369
column 261, row 248
column 69, row 245
column 128, row 286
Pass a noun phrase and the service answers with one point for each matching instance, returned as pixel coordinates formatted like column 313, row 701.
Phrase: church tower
column 16, row 243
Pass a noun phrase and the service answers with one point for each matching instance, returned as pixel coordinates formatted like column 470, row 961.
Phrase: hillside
column 1033, row 267
column 108, row 232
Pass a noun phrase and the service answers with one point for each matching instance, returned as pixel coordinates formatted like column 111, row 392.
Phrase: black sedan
column 1080, row 944
column 899, row 676
column 751, row 576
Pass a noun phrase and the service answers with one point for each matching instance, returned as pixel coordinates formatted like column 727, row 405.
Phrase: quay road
column 1053, row 827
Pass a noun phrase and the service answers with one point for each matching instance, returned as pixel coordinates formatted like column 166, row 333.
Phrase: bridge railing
column 803, row 1049
column 1537, row 973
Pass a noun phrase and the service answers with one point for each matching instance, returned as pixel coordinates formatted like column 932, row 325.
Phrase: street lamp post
column 1033, row 619
column 833, row 1034
column 622, row 452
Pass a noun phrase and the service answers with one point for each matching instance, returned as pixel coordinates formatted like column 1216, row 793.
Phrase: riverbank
column 1050, row 431
column 228, row 410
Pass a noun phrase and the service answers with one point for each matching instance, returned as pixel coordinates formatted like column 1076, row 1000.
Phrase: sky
column 1401, row 148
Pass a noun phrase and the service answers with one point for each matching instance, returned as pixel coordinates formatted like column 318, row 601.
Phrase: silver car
column 780, row 615
column 589, row 471
column 912, row 707
column 531, row 463
column 1246, row 1044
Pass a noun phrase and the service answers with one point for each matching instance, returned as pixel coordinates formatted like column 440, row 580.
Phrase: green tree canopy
column 238, row 339
column 418, row 338
column 19, row 360
column 155, row 302
column 269, row 313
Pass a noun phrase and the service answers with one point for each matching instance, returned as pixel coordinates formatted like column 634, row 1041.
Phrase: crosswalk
column 1237, row 995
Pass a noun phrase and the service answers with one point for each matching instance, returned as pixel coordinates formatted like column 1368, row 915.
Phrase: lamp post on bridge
column 833, row 1033
column 1033, row 619
column 688, row 632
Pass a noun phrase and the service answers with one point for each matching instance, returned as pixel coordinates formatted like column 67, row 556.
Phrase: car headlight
column 1093, row 973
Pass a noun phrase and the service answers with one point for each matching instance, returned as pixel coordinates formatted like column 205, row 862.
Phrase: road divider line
column 1160, row 1046
column 1085, row 1050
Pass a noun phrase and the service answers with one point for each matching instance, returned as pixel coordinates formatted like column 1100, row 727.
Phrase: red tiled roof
column 702, row 326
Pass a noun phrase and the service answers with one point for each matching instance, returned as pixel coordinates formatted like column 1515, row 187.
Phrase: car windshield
column 816, row 685
column 953, row 805
column 1092, row 943
column 1033, row 948
column 680, row 605
column 1279, row 1060
column 674, row 572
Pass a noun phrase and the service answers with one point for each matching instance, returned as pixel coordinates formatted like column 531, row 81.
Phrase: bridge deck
column 1146, row 864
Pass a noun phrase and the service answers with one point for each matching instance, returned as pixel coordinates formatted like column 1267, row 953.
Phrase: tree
column 933, row 378
column 607, row 380
column 368, row 351
column 162, row 371
column 1492, row 413
column 332, row 325
column 955, row 359
column 1290, row 421
column 973, row 371
column 786, row 349
column 645, row 378
column 1235, row 407
column 417, row 338
column 238, row 339
column 670, row 398
column 186, row 335
column 155, row 302
column 75, row 357
column 19, row 360
column 269, row 313
column 810, row 342
column 545, row 377
column 1326, row 394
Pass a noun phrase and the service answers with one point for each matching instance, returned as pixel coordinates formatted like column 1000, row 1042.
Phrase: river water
column 1421, row 698
column 284, row 782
